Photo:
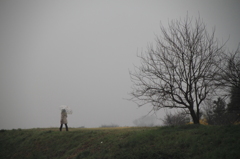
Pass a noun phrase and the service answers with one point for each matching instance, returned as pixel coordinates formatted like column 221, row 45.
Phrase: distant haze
column 79, row 53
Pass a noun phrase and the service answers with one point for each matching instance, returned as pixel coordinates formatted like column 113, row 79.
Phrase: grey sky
column 79, row 53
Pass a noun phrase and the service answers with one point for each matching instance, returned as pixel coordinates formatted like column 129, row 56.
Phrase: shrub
column 180, row 118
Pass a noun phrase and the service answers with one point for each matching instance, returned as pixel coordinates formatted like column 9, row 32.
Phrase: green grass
column 182, row 142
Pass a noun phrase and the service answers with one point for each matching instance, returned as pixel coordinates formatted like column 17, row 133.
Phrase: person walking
column 63, row 120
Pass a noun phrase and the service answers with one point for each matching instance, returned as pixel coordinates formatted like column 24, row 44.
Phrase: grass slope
column 189, row 141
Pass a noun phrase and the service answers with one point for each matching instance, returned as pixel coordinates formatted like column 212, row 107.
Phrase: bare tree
column 179, row 71
column 229, row 75
column 229, row 80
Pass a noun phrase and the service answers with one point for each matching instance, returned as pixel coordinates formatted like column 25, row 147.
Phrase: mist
column 79, row 53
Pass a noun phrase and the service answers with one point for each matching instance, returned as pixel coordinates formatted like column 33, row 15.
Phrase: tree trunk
column 195, row 118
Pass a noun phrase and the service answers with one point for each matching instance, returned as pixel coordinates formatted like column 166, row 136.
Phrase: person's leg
column 61, row 127
column 66, row 127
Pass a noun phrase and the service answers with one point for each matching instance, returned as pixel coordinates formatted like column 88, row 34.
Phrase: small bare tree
column 179, row 71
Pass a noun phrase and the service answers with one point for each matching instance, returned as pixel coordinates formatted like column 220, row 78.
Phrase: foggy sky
column 79, row 53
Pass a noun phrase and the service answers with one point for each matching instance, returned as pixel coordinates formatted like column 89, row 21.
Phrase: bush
column 180, row 118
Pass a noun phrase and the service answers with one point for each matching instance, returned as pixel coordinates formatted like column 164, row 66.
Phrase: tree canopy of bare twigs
column 229, row 75
column 178, row 72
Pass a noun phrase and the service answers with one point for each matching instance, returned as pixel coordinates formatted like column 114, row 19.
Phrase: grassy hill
column 189, row 141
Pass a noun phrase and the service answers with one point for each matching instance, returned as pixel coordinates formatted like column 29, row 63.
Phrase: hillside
column 189, row 141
